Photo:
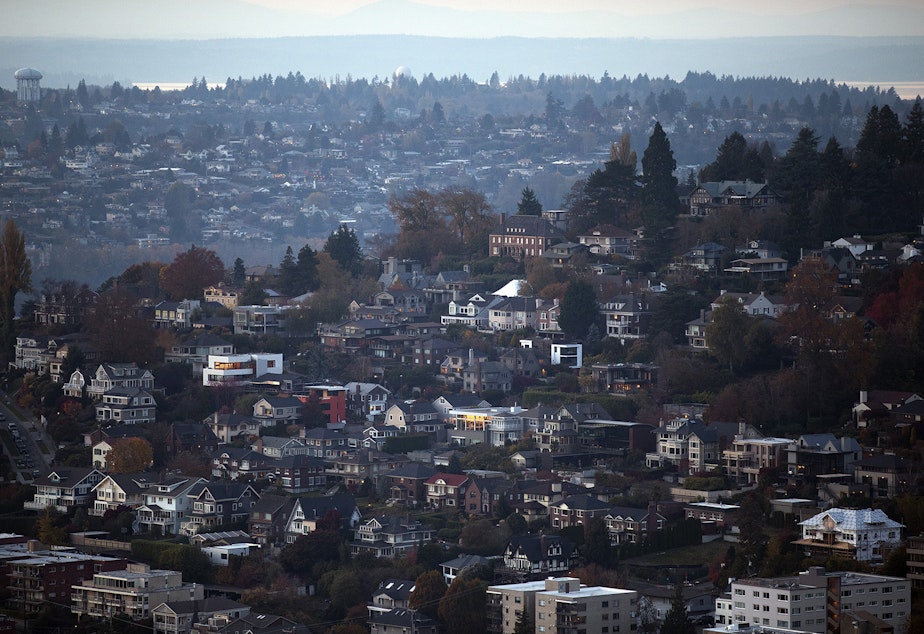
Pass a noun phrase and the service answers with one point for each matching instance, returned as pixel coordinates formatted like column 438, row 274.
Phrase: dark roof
column 534, row 547
column 417, row 470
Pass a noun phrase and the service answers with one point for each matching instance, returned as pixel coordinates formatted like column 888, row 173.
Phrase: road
column 27, row 441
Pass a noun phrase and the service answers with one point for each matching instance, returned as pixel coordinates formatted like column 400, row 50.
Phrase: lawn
column 683, row 556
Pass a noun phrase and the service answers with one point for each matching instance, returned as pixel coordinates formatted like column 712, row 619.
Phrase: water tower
column 27, row 85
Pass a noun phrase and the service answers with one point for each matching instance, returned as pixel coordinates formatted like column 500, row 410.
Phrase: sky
column 658, row 19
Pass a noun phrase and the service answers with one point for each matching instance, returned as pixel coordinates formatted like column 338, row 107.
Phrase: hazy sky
column 460, row 18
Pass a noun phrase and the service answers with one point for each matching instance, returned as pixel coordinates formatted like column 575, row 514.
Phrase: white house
column 864, row 533
column 237, row 369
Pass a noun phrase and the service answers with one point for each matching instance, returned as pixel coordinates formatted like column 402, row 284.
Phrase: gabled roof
column 581, row 502
column 535, row 547
column 451, row 479
column 413, row 470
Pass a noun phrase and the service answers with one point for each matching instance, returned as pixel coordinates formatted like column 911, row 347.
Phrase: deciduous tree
column 429, row 588
column 130, row 455
column 15, row 277
column 462, row 608
column 190, row 272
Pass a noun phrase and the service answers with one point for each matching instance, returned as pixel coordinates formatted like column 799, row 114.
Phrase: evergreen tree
column 676, row 621
column 288, row 274
column 343, row 246
column 525, row 624
column 579, row 308
column 529, row 205
column 239, row 273
column 660, row 203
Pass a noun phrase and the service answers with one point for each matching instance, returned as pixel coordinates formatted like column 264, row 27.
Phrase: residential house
column 260, row 320
column 228, row 427
column 309, row 514
column 763, row 269
column 368, row 465
column 454, row 365
column 323, row 401
column 266, row 523
column 748, row 456
column 275, row 410
column 522, row 362
column 447, row 402
column 487, row 496
column 513, row 313
column 109, row 376
column 226, row 296
column 622, row 436
column 708, row 196
column 861, row 534
column 522, row 237
column 454, row 567
column 402, row 621
column 178, row 617
column 887, row 475
column 126, row 406
column 120, row 490
column 196, row 350
column 534, row 557
column 216, row 504
column 194, row 437
column 691, row 445
column 280, row 446
column 610, row 240
column 166, row 506
column 704, row 258
column 253, row 623
column 325, row 443
column 390, row 536
column 64, row 488
column 624, row 379
column 391, row 594
column 404, row 301
column 472, row 312
column 415, row 417
column 695, row 331
column 561, row 253
column 631, row 526
column 712, row 515
column 446, row 490
column 754, row 304
column 407, row 483
column 104, row 439
column 366, row 399
column 64, row 305
column 298, row 473
column 821, row 454
column 432, row 352
column 175, row 315
column 277, row 383
column 239, row 369
column 487, row 375
column 232, row 463
column 627, row 317
column 576, row 510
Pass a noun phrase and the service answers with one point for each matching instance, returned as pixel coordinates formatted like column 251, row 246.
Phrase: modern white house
column 237, row 369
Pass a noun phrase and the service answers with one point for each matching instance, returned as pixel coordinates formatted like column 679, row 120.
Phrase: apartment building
column 133, row 591
column 561, row 605
column 814, row 600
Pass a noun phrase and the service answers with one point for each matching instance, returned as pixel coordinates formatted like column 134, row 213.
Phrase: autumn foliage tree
column 119, row 332
column 130, row 455
column 190, row 272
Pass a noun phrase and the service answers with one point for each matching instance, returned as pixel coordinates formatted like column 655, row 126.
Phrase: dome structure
column 404, row 72
column 27, row 73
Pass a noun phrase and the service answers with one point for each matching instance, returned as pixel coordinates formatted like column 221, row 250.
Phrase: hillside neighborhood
column 387, row 389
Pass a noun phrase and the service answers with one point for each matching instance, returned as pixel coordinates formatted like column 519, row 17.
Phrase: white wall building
column 239, row 368
column 862, row 533
column 806, row 601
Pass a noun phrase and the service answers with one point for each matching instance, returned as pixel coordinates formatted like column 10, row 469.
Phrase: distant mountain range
column 880, row 60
